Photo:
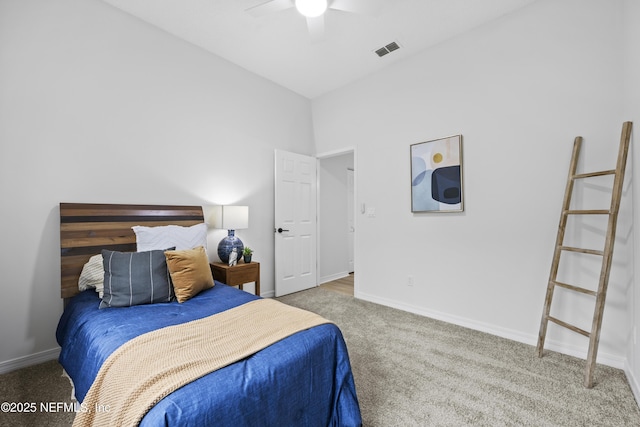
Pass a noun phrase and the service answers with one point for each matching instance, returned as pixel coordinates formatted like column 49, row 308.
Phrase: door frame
column 351, row 218
column 326, row 155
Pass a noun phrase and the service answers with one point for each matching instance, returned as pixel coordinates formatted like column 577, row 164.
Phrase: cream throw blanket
column 149, row 367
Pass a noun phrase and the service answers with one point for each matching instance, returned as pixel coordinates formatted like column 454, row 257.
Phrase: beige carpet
column 42, row 385
column 414, row 371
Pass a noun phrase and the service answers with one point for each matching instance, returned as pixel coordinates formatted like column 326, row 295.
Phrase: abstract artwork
column 436, row 175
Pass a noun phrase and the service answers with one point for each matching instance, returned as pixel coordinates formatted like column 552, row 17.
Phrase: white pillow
column 92, row 275
column 170, row 236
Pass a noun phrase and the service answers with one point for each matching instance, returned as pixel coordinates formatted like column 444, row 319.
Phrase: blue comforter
column 303, row 380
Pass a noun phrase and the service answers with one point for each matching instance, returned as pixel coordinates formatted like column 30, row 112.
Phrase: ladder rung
column 584, row 251
column 588, row 212
column 568, row 326
column 591, row 174
column 575, row 288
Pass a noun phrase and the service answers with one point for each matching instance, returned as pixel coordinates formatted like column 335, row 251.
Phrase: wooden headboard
column 86, row 229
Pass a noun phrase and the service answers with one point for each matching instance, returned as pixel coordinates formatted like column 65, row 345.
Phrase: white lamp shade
column 230, row 217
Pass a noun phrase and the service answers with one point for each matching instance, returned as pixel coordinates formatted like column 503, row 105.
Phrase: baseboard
column 603, row 358
column 268, row 294
column 633, row 382
column 332, row 277
column 30, row 360
column 581, row 353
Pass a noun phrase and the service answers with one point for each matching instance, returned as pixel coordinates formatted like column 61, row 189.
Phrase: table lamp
column 230, row 218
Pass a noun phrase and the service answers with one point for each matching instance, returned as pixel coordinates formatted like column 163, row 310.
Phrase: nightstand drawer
column 242, row 275
column 237, row 275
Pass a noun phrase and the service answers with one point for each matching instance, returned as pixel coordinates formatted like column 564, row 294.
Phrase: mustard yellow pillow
column 190, row 272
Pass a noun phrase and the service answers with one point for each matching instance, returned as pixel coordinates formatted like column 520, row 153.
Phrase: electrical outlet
column 410, row 280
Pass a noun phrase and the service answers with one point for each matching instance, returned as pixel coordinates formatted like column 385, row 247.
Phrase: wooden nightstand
column 238, row 274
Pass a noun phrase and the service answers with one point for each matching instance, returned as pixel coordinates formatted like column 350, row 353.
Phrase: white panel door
column 295, row 227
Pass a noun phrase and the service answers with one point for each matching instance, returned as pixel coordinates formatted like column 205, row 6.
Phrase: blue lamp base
column 227, row 244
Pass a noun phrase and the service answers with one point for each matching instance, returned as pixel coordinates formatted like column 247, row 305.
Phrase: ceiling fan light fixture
column 311, row 8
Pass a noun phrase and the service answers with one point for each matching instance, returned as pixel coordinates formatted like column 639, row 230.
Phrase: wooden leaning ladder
column 606, row 253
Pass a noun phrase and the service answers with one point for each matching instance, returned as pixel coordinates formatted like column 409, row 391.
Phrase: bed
column 303, row 379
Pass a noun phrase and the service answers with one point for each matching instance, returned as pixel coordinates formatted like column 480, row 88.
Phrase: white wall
column 333, row 191
column 97, row 106
column 519, row 90
column 632, row 113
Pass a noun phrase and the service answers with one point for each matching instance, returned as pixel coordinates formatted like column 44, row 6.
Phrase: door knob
column 280, row 230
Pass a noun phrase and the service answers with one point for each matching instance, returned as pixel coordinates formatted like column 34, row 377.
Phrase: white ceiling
column 277, row 46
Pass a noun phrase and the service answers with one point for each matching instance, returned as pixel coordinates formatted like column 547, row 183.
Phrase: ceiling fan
column 313, row 10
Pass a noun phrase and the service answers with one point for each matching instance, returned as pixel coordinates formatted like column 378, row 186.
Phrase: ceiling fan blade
column 366, row 7
column 316, row 28
column 269, row 6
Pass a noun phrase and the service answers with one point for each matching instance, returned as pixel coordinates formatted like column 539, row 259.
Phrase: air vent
column 387, row 49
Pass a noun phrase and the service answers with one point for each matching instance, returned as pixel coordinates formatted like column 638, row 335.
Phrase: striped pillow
column 134, row 278
column 92, row 275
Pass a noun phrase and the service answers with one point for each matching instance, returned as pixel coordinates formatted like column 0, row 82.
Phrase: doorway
column 336, row 216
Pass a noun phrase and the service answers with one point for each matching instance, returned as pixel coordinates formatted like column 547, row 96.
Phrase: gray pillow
column 134, row 278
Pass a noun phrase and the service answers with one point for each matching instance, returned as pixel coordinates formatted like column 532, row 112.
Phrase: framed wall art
column 436, row 175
